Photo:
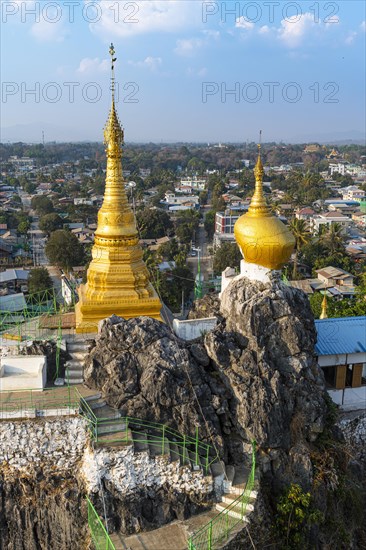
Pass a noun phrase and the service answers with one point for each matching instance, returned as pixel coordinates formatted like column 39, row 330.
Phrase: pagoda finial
column 258, row 205
column 113, row 133
column 112, row 53
column 324, row 314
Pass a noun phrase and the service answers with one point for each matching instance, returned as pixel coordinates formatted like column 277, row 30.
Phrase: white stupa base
column 254, row 272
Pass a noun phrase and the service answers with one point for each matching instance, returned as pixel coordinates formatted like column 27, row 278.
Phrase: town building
column 341, row 351
column 328, row 219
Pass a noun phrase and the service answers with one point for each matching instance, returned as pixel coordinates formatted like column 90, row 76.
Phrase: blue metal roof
column 341, row 335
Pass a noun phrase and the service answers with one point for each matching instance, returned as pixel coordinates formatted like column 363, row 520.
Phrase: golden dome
column 262, row 238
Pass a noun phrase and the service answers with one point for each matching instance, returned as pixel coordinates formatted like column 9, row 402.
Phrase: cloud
column 88, row 65
column 125, row 18
column 46, row 31
column 264, row 29
column 196, row 72
column 363, row 26
column 242, row 23
column 294, row 29
column 350, row 38
column 151, row 63
column 188, row 46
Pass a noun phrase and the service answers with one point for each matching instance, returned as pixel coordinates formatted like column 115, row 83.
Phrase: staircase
column 112, row 432
column 78, row 350
column 207, row 531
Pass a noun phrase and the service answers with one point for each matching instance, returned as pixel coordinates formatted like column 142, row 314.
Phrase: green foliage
column 30, row 187
column 210, row 223
column 226, row 255
column 24, row 226
column 348, row 307
column 42, row 205
column 153, row 223
column 186, row 225
column 64, row 250
column 169, row 250
column 295, row 516
column 39, row 280
column 171, row 286
column 50, row 222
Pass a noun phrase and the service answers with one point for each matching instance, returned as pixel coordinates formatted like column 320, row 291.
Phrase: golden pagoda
column 323, row 314
column 117, row 279
column 262, row 238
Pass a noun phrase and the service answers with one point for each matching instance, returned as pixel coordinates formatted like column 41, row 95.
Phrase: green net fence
column 98, row 532
column 218, row 530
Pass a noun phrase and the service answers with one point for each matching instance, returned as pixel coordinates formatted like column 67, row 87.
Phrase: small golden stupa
column 117, row 279
column 262, row 238
column 324, row 314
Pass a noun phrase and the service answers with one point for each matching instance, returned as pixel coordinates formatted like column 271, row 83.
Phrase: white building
column 173, row 200
column 341, row 351
column 328, row 219
column 353, row 193
column 194, row 183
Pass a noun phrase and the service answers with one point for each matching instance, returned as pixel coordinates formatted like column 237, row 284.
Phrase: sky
column 188, row 71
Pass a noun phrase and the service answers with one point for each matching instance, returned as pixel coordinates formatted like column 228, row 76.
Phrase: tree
column 64, row 250
column 23, row 227
column 302, row 236
column 50, row 222
column 209, row 223
column 30, row 187
column 153, row 224
column 333, row 239
column 42, row 205
column 227, row 255
column 39, row 280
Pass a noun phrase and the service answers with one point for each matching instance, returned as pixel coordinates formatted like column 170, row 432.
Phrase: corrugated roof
column 13, row 302
column 13, row 275
column 341, row 335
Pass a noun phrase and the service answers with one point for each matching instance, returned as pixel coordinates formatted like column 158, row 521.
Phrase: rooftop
column 333, row 272
column 341, row 335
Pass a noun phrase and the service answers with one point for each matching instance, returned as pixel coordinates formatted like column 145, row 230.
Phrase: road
column 202, row 243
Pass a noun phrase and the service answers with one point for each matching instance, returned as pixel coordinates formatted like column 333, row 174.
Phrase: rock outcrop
column 253, row 377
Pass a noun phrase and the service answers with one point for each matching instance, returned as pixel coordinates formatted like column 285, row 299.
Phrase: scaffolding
column 40, row 316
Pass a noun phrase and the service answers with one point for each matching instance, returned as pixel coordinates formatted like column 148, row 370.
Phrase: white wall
column 193, row 328
column 350, row 399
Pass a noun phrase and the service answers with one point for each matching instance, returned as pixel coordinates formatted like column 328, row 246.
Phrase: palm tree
column 333, row 239
column 302, row 236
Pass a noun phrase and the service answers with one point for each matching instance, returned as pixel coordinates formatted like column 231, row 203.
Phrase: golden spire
column 117, row 280
column 258, row 205
column 262, row 238
column 324, row 314
column 113, row 132
column 115, row 218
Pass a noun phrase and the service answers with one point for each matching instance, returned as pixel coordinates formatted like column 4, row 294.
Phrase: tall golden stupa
column 117, row 280
column 262, row 238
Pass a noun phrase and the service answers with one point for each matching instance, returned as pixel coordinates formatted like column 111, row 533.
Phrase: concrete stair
column 74, row 367
column 234, row 486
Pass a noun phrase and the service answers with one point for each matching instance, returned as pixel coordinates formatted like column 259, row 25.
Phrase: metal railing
column 98, row 532
column 189, row 449
column 22, row 403
column 219, row 528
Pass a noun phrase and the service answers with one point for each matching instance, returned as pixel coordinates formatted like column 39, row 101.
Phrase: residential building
column 14, row 279
column 353, row 193
column 194, row 183
column 333, row 281
column 304, row 213
column 333, row 276
column 173, row 200
column 341, row 352
column 224, row 225
column 328, row 219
